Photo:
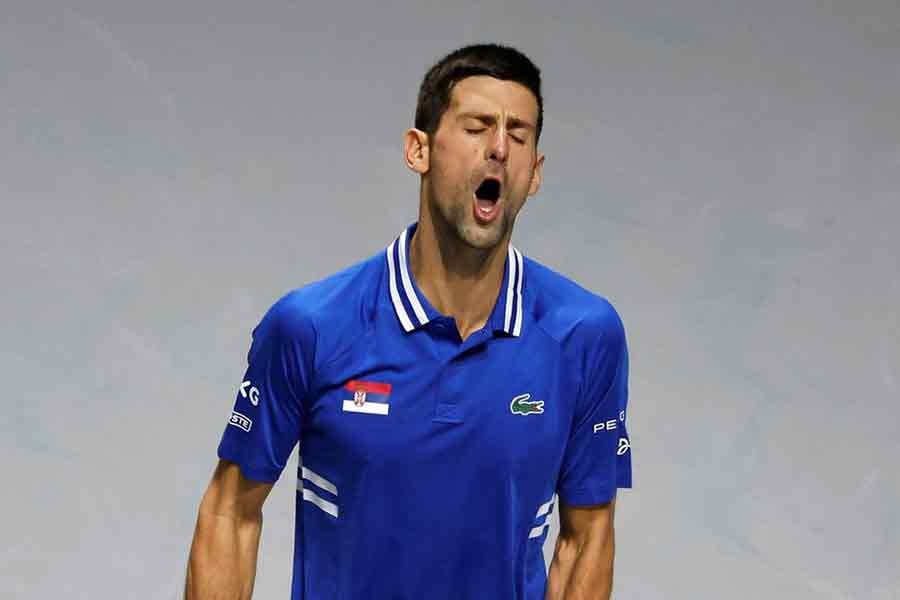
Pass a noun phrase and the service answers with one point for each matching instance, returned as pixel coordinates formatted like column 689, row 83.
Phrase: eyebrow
column 488, row 119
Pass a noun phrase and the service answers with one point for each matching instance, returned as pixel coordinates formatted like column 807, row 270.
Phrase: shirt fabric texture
column 430, row 467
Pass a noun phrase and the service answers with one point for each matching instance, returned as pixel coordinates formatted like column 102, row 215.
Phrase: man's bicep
column 583, row 522
column 268, row 413
column 597, row 459
column 230, row 494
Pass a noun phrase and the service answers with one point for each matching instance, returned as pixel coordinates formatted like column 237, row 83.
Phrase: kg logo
column 522, row 405
column 254, row 393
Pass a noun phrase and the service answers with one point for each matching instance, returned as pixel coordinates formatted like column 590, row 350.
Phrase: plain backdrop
column 726, row 173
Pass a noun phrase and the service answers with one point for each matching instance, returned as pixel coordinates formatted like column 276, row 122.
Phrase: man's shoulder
column 566, row 310
column 337, row 291
column 334, row 302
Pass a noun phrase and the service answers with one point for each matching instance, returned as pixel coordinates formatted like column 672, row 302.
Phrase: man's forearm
column 222, row 563
column 582, row 569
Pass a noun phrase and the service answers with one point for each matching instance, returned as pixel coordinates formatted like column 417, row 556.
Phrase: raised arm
column 222, row 563
column 582, row 566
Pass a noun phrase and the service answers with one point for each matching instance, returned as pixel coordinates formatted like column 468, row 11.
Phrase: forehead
column 482, row 93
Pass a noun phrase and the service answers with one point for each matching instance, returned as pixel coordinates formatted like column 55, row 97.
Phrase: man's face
column 483, row 160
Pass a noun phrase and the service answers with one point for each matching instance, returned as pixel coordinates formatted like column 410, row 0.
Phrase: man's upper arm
column 586, row 522
column 232, row 495
column 597, row 459
column 269, row 407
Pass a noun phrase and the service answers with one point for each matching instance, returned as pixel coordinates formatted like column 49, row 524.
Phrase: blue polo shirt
column 431, row 466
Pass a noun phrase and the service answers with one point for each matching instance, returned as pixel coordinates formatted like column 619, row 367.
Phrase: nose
column 498, row 146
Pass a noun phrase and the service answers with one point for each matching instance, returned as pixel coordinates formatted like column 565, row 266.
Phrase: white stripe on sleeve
column 318, row 480
column 313, row 498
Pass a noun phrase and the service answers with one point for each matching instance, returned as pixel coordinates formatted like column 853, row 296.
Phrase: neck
column 460, row 281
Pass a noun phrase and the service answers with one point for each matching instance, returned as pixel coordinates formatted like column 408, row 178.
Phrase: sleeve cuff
column 592, row 492
column 248, row 470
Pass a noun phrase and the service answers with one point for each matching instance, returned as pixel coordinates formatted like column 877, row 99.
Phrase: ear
column 538, row 176
column 415, row 150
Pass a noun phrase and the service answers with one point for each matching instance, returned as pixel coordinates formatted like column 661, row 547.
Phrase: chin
column 482, row 238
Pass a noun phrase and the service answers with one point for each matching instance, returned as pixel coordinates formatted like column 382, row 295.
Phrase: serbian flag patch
column 370, row 397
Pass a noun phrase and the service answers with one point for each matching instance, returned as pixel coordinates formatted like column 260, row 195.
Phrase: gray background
column 725, row 172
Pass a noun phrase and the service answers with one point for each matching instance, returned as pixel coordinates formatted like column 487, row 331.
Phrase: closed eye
column 478, row 130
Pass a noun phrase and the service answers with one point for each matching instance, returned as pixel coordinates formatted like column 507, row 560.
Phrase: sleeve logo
column 240, row 421
column 609, row 424
column 253, row 394
column 605, row 426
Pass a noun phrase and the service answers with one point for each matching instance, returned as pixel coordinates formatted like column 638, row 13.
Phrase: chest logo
column 369, row 397
column 523, row 405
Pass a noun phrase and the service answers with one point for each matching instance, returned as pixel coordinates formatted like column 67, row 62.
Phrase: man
column 442, row 392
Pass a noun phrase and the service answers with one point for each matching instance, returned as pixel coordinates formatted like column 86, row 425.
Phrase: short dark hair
column 494, row 60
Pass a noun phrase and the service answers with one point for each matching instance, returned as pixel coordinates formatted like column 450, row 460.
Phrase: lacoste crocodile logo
column 521, row 405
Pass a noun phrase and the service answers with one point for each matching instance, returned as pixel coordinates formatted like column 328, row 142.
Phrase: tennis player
column 448, row 395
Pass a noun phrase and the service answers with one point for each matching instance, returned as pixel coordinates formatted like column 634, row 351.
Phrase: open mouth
column 489, row 190
column 486, row 199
